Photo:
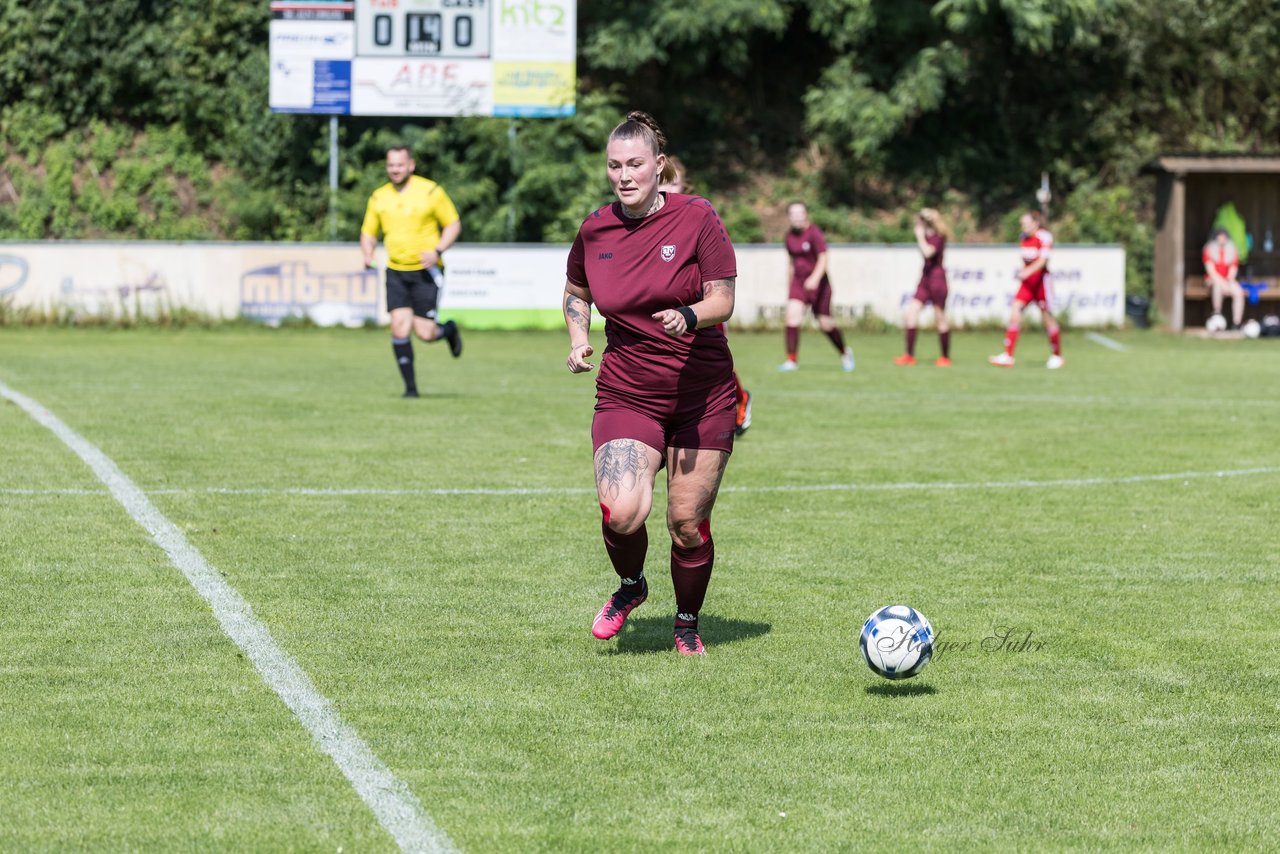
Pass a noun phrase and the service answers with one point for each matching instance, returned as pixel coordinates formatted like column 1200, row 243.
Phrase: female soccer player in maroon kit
column 932, row 235
column 810, row 286
column 661, row 270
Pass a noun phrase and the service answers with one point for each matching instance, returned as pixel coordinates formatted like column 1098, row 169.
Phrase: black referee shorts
column 416, row 289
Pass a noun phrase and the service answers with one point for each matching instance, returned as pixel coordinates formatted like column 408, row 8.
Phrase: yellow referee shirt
column 410, row 221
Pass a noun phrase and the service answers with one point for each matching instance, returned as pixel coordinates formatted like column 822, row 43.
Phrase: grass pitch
column 1103, row 601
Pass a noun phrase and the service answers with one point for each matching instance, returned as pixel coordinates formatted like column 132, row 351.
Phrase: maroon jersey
column 804, row 249
column 933, row 270
column 634, row 268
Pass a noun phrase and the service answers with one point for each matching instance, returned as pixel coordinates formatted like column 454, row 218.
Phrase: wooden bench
column 1197, row 306
column 1197, row 288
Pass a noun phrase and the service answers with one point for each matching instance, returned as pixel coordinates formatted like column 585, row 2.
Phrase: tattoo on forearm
column 619, row 466
column 718, row 286
column 577, row 312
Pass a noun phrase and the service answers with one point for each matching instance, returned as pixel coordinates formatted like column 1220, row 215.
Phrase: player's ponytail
column 639, row 124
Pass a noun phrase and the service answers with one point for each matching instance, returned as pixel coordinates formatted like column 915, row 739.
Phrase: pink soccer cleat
column 688, row 642
column 614, row 613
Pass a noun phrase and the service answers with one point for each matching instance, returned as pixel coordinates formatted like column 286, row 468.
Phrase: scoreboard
column 447, row 28
column 424, row 57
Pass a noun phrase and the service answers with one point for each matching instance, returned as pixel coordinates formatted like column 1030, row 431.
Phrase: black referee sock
column 404, row 358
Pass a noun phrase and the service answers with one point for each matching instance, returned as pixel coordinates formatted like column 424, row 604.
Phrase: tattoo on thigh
column 707, row 494
column 701, row 491
column 619, row 466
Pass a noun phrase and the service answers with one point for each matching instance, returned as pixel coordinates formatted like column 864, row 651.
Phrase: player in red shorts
column 661, row 270
column 810, row 287
column 680, row 184
column 1221, row 266
column 932, row 235
column 1036, row 288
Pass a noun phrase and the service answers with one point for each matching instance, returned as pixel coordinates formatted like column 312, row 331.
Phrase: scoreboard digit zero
column 445, row 29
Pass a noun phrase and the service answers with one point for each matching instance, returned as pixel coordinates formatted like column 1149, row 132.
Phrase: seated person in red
column 1221, row 267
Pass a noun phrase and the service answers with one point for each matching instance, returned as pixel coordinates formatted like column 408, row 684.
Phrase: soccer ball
column 1252, row 329
column 1216, row 323
column 897, row 642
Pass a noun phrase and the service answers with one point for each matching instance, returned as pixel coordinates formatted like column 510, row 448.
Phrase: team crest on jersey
column 804, row 247
column 668, row 252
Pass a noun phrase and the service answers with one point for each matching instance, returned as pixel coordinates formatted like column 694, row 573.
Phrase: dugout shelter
column 1190, row 188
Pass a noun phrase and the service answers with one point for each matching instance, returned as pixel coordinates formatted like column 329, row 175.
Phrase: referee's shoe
column 449, row 331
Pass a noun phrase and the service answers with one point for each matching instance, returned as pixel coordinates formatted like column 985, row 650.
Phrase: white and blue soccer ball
column 897, row 642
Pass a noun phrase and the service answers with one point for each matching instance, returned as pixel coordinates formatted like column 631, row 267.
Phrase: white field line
column 395, row 806
column 1109, row 343
column 905, row 486
column 1058, row 400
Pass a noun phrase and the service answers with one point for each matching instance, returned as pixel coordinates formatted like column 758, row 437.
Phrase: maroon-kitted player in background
column 932, row 235
column 661, row 270
column 810, row 287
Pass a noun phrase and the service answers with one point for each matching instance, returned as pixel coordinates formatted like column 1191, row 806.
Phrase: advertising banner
column 507, row 286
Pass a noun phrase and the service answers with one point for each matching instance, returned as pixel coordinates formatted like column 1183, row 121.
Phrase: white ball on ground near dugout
column 896, row 642
column 1252, row 329
column 1216, row 323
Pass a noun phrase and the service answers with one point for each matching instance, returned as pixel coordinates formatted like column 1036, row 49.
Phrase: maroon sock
column 793, row 342
column 911, row 340
column 944, row 340
column 837, row 339
column 690, row 574
column 626, row 552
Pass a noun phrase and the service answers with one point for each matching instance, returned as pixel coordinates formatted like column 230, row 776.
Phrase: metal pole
column 511, row 197
column 333, row 178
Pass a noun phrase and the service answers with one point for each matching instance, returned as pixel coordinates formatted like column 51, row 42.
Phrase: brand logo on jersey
column 804, row 246
column 668, row 252
column 606, row 256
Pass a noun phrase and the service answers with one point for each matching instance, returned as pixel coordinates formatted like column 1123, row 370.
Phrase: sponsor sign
column 513, row 285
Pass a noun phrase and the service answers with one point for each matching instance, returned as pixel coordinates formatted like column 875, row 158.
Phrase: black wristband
column 690, row 319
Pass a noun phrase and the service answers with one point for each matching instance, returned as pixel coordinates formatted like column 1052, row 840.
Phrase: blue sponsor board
column 332, row 86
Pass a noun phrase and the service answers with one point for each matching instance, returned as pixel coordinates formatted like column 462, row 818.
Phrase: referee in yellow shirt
column 418, row 222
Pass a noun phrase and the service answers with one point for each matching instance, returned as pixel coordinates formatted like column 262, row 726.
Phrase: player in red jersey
column 932, row 235
column 810, row 287
column 661, row 270
column 1036, row 288
column 680, row 184
column 1221, row 266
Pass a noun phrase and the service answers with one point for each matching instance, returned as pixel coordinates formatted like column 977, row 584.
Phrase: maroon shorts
column 932, row 291
column 819, row 299
column 708, row 425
